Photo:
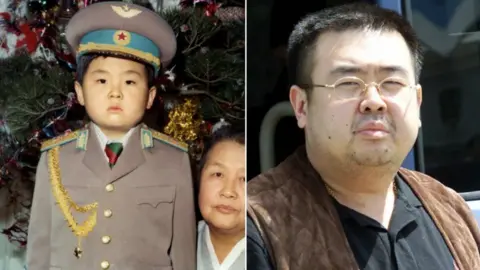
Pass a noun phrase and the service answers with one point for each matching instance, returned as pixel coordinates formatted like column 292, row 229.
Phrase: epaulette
column 148, row 133
column 80, row 136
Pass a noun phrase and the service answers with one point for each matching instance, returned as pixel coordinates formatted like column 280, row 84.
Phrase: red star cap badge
column 122, row 36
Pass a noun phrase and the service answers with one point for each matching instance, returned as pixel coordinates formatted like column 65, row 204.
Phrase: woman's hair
column 221, row 132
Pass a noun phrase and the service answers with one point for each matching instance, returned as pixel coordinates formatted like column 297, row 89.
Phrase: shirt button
column 107, row 213
column 109, row 188
column 106, row 239
column 105, row 265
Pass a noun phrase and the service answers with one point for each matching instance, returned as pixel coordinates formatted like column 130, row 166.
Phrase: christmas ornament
column 211, row 9
column 196, row 150
column 230, row 14
column 169, row 102
column 41, row 5
column 202, row 2
column 28, row 38
column 220, row 124
column 62, row 51
column 185, row 3
column 49, row 131
column 17, row 36
column 68, row 8
column 184, row 122
column 184, row 28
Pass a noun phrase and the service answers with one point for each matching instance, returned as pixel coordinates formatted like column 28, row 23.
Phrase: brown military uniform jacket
column 146, row 214
column 302, row 230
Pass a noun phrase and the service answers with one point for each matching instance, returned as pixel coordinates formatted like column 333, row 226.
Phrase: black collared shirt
column 412, row 242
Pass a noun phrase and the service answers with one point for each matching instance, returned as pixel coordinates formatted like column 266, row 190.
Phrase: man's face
column 115, row 93
column 369, row 129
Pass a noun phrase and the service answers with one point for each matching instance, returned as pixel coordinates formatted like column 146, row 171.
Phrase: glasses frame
column 366, row 85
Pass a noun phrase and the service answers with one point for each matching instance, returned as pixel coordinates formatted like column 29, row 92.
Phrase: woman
column 221, row 199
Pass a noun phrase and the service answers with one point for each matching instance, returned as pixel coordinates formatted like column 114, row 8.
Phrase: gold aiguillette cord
column 66, row 204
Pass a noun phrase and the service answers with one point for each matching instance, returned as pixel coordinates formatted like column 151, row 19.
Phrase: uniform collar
column 103, row 139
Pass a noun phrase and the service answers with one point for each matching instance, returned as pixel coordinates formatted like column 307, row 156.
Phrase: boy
column 116, row 194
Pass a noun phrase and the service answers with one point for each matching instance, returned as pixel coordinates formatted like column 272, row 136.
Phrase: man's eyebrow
column 393, row 69
column 131, row 71
column 344, row 70
column 347, row 70
column 99, row 71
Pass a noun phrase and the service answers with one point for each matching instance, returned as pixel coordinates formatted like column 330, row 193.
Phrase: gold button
column 109, row 188
column 106, row 239
column 107, row 213
column 105, row 265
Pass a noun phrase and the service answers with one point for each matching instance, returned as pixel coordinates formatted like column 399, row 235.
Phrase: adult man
column 342, row 201
column 115, row 194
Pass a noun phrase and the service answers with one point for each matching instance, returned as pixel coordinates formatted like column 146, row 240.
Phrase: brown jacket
column 302, row 230
column 147, row 221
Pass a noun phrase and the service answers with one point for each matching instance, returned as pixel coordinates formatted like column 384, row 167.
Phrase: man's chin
column 114, row 123
column 373, row 157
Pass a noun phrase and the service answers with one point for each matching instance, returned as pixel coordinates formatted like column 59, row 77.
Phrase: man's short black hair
column 358, row 16
column 85, row 61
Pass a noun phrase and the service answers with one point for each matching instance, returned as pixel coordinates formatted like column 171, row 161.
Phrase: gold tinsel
column 184, row 125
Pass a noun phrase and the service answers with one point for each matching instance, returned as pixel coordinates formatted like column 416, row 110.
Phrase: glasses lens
column 393, row 86
column 349, row 87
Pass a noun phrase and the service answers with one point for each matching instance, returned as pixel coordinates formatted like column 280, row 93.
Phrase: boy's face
column 115, row 94
column 222, row 187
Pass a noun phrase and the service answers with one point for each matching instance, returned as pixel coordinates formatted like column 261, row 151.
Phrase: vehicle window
column 450, row 33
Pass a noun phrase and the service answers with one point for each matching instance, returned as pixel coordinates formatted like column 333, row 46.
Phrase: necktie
column 113, row 151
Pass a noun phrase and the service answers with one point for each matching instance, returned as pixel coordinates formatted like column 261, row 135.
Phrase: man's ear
column 152, row 92
column 419, row 102
column 419, row 94
column 298, row 99
column 79, row 91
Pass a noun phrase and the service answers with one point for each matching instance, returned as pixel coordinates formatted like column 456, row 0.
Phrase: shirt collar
column 234, row 254
column 103, row 139
column 404, row 193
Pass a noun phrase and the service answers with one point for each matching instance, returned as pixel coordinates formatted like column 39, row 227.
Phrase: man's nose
column 115, row 92
column 372, row 100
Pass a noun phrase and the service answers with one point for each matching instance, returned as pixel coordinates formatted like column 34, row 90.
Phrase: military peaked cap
column 118, row 28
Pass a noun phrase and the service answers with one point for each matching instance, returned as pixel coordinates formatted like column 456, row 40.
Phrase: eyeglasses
column 352, row 87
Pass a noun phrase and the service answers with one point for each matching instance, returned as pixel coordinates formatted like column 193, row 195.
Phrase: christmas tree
column 203, row 86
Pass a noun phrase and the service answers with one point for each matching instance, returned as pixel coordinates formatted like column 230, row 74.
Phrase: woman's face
column 222, row 187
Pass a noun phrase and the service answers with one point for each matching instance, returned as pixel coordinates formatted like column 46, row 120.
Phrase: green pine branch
column 31, row 93
column 212, row 64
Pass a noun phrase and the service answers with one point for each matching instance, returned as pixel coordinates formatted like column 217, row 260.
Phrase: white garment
column 103, row 139
column 206, row 257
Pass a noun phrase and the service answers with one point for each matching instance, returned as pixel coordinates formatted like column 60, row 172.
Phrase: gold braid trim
column 65, row 202
column 169, row 140
column 95, row 47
